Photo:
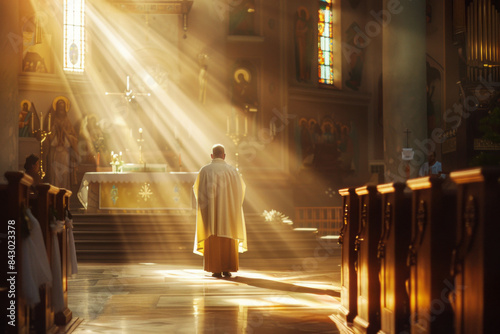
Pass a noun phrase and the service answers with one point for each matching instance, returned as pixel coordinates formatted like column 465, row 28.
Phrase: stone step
column 162, row 235
column 186, row 245
column 246, row 259
column 169, row 237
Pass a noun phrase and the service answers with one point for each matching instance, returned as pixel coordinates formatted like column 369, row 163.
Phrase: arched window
column 325, row 42
column 74, row 36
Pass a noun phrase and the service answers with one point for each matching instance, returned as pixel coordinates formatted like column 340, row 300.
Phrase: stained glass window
column 325, row 42
column 74, row 35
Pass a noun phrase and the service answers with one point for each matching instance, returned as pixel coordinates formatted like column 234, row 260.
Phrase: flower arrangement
column 116, row 162
column 275, row 216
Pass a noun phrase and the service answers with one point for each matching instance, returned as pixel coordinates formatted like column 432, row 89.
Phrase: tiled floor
column 154, row 298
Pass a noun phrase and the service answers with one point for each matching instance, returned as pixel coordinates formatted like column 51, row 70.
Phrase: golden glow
column 153, row 69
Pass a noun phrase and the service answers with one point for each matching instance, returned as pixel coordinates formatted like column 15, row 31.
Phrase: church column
column 11, row 48
column 404, row 82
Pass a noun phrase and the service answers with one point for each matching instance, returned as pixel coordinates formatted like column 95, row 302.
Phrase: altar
column 136, row 191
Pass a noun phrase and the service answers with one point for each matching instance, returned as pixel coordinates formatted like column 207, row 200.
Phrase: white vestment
column 219, row 191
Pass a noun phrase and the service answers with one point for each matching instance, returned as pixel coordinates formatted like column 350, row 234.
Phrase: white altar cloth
column 186, row 179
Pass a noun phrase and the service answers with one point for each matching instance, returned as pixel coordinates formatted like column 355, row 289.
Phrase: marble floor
column 155, row 298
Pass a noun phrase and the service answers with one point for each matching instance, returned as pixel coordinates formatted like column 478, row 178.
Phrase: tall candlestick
column 41, row 122
column 50, row 114
column 32, row 122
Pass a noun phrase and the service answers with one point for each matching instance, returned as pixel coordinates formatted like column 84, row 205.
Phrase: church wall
column 10, row 50
column 362, row 30
column 42, row 84
column 319, row 164
column 436, row 62
column 263, row 154
column 449, row 156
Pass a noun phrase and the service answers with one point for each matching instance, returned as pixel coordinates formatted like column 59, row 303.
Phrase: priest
column 220, row 224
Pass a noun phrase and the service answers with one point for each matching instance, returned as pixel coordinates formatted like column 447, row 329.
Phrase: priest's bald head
column 218, row 151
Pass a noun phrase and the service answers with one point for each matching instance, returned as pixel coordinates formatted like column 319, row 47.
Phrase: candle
column 50, row 114
column 246, row 126
column 32, row 122
column 140, row 130
column 41, row 122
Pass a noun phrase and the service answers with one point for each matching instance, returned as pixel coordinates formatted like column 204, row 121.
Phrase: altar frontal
column 136, row 192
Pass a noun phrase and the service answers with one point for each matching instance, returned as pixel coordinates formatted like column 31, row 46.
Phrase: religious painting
column 242, row 17
column 434, row 89
column 354, row 52
column 26, row 119
column 202, row 77
column 432, row 26
column 244, row 94
column 326, row 144
column 37, row 44
column 304, row 44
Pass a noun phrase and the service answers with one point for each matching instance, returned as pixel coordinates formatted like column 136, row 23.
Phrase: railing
column 328, row 220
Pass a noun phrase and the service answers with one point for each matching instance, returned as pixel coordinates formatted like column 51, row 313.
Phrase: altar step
column 169, row 238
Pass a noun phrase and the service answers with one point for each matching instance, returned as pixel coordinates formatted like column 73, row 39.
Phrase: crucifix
column 407, row 134
column 128, row 94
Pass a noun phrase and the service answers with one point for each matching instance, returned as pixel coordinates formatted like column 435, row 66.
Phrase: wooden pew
column 429, row 256
column 62, row 204
column 392, row 254
column 45, row 205
column 14, row 198
column 476, row 261
column 348, row 280
column 368, row 289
